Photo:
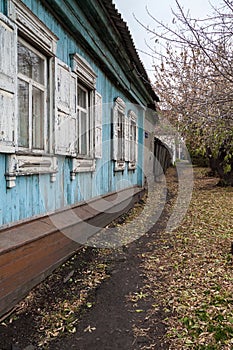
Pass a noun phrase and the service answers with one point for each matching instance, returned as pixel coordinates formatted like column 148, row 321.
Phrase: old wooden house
column 73, row 102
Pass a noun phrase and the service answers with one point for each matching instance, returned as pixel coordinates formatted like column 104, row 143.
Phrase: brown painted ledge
column 32, row 249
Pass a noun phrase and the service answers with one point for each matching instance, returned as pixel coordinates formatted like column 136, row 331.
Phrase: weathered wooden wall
column 35, row 194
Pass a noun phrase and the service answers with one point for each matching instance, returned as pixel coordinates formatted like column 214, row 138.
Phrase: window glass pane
column 134, row 145
column 133, row 130
column 83, row 130
column 131, row 141
column 120, row 151
column 37, row 118
column 23, row 112
column 30, row 64
column 82, row 97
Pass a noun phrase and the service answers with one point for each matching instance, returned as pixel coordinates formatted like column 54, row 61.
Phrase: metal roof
column 127, row 40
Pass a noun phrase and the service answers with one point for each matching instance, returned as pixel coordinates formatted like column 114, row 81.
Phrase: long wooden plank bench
column 30, row 250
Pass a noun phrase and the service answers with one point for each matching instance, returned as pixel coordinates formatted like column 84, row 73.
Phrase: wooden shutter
column 8, row 84
column 66, row 110
column 119, row 107
column 133, row 140
column 115, row 133
column 127, row 139
column 98, row 125
column 136, row 146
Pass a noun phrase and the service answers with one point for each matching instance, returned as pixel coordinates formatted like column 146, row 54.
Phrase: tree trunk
column 217, row 166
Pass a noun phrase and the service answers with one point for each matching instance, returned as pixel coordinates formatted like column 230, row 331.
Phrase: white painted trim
column 8, row 85
column 42, row 87
column 132, row 166
column 98, row 117
column 133, row 116
column 119, row 107
column 119, row 165
column 133, row 119
column 27, row 165
column 86, row 77
column 83, row 70
column 31, row 26
column 82, row 165
column 120, row 104
column 90, row 95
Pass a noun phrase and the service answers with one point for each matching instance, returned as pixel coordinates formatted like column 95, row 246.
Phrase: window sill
column 132, row 166
column 5, row 148
column 119, row 165
column 81, row 166
column 22, row 165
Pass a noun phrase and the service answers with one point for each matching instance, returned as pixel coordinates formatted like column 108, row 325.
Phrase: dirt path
column 112, row 313
column 109, row 323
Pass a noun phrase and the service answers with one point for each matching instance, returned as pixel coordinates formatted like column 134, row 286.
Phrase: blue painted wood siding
column 35, row 195
column 3, row 6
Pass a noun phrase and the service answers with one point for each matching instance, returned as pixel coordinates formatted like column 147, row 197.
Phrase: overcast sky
column 161, row 10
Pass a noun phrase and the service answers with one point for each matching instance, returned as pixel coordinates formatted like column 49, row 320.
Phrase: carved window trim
column 133, row 140
column 118, row 134
column 18, row 165
column 86, row 82
column 31, row 27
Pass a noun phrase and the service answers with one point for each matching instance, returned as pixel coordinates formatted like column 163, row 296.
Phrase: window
column 133, row 136
column 118, row 136
column 78, row 122
column 32, row 92
column 133, row 130
column 24, row 92
column 86, row 78
column 124, row 137
column 98, row 125
column 85, row 121
column 89, row 117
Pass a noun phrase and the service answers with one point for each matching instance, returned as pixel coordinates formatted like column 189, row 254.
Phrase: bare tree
column 194, row 79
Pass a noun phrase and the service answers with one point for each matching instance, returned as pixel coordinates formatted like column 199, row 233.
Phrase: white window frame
column 98, row 125
column 118, row 118
column 30, row 25
column 133, row 140
column 34, row 31
column 44, row 88
column 88, row 111
column 86, row 80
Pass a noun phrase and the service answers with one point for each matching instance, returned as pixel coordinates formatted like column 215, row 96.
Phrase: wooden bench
column 31, row 249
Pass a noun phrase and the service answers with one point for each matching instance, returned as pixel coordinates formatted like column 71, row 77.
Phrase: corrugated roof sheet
column 129, row 45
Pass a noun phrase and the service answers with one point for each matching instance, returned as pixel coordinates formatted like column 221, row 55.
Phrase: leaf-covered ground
column 197, row 285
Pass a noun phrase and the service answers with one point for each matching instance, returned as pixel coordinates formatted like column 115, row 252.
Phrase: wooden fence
column 162, row 158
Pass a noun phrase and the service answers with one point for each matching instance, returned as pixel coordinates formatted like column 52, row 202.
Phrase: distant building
column 170, row 136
